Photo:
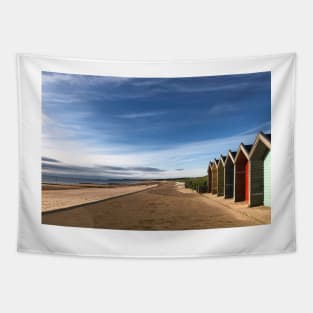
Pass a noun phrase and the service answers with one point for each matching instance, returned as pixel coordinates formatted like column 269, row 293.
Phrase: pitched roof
column 209, row 165
column 268, row 136
column 248, row 148
column 230, row 155
column 261, row 137
column 222, row 159
column 212, row 163
column 245, row 149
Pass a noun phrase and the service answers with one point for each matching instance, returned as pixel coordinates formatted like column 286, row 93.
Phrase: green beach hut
column 260, row 171
column 229, row 175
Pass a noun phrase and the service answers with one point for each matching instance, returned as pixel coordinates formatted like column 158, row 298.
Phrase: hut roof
column 245, row 150
column 212, row 163
column 267, row 136
column 261, row 137
column 248, row 147
column 222, row 159
column 230, row 155
column 209, row 166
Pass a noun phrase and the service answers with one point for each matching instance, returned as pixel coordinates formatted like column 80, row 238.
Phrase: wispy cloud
column 52, row 78
column 141, row 115
column 114, row 163
column 222, row 109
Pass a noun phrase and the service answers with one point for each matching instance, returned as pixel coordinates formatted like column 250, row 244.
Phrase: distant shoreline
column 64, row 186
column 57, row 180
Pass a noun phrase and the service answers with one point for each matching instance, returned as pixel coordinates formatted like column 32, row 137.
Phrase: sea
column 52, row 179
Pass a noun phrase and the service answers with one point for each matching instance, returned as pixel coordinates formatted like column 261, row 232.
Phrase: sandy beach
column 167, row 206
column 57, row 197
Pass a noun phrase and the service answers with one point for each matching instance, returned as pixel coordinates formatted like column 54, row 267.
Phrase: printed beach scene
column 176, row 153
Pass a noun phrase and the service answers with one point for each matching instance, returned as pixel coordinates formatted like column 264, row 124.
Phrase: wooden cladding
column 229, row 179
column 260, row 172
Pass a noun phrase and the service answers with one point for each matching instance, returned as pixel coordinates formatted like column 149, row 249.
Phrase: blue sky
column 114, row 127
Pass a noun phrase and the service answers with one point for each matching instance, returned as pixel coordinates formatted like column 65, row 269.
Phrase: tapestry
column 156, row 158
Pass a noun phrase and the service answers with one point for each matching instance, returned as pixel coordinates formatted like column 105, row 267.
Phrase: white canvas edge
column 278, row 237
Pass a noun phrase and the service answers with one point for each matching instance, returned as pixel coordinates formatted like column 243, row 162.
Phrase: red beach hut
column 242, row 175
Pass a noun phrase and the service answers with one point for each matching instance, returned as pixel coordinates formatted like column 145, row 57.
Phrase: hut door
column 247, row 181
column 267, row 180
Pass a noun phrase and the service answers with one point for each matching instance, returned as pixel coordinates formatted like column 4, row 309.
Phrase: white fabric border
column 278, row 237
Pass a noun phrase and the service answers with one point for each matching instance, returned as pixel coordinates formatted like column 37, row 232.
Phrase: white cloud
column 78, row 79
column 193, row 157
column 141, row 115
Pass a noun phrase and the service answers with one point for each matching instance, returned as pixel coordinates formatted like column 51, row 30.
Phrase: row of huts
column 245, row 174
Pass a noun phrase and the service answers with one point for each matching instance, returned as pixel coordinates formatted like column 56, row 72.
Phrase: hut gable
column 222, row 159
column 243, row 149
column 215, row 161
column 261, row 145
column 230, row 157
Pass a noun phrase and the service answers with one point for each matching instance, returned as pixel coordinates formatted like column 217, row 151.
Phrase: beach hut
column 229, row 174
column 220, row 175
column 214, row 176
column 210, row 177
column 260, row 171
column 242, row 177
